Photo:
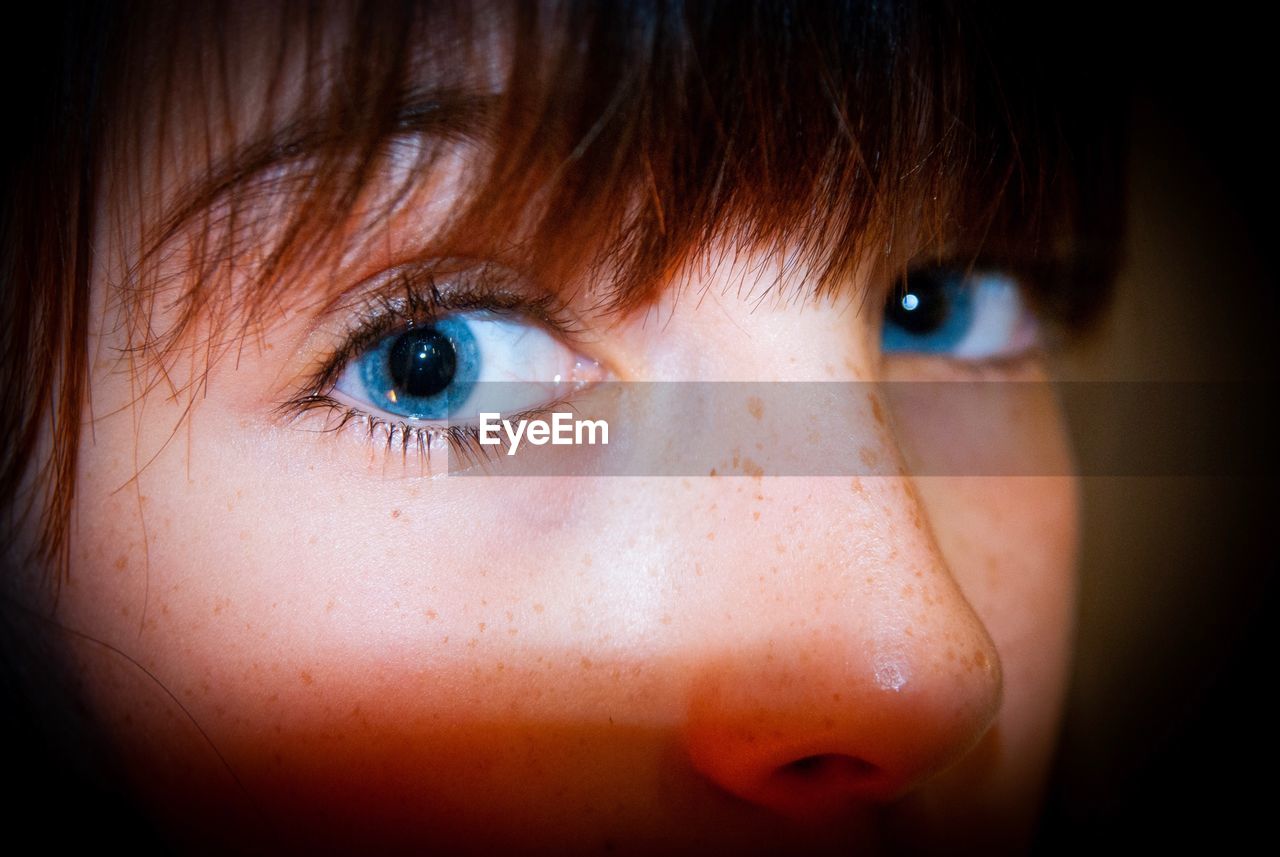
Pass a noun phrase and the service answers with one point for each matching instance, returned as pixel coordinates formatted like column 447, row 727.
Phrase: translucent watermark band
column 953, row 428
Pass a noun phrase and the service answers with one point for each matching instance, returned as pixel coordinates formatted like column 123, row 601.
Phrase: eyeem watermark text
column 563, row 430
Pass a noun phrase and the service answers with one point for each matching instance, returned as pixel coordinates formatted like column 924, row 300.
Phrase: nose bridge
column 853, row 666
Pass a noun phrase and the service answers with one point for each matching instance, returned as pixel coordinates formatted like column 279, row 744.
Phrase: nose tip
column 835, row 728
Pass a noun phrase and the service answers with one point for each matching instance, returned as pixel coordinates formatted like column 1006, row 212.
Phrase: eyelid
column 417, row 293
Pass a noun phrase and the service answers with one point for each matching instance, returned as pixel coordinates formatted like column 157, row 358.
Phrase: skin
column 602, row 661
column 324, row 648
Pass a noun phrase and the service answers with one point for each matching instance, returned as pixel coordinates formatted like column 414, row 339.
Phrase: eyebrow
column 447, row 114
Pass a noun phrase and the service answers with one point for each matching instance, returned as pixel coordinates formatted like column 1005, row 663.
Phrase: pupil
column 922, row 307
column 423, row 362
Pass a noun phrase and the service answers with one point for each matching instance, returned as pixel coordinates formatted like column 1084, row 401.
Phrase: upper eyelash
column 408, row 299
column 1063, row 293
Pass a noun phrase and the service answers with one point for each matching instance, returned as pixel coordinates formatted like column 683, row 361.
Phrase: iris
column 932, row 313
column 425, row 372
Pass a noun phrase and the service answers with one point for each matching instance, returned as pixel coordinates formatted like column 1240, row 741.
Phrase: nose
column 865, row 671
column 835, row 660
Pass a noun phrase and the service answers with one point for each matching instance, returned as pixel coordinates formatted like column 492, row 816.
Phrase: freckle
column 666, row 618
column 755, row 516
column 328, row 608
column 919, row 573
column 713, row 472
column 510, row 616
column 244, row 535
column 538, row 608
column 868, row 456
column 395, row 513
column 752, row 469
column 736, row 456
column 711, row 537
column 122, row 563
column 951, row 653
column 586, row 560
column 980, row 659
column 875, row 408
column 755, row 407
column 586, row 663
column 482, row 627
column 306, row 677
column 871, row 579
column 908, row 591
column 511, row 632
column 431, row 614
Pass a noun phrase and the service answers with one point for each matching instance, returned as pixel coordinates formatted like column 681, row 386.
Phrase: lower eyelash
column 392, row 435
column 463, row 439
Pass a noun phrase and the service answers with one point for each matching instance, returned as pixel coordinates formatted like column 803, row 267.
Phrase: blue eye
column 435, row 371
column 948, row 313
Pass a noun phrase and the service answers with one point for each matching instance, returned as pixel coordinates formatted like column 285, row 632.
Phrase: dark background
column 1169, row 740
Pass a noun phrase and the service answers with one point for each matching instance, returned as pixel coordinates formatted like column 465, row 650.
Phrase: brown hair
column 619, row 138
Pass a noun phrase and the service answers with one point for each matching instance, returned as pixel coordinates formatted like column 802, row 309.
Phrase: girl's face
column 310, row 639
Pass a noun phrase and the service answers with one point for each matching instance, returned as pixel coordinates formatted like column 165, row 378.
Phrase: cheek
column 1011, row 543
column 356, row 645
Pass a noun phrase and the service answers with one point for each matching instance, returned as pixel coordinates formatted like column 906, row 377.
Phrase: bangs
column 611, row 143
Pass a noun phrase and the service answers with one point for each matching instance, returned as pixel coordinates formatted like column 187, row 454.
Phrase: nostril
column 828, row 769
column 823, row 786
